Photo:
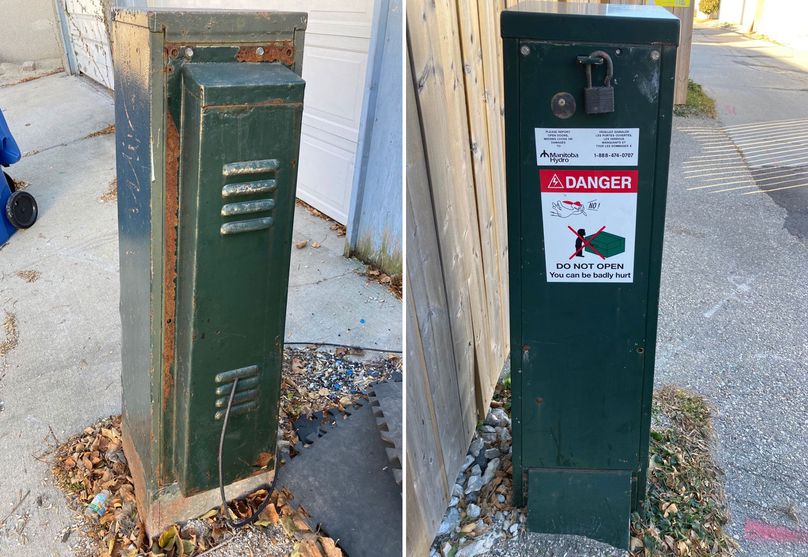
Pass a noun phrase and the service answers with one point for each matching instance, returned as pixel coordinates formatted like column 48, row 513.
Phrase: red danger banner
column 588, row 181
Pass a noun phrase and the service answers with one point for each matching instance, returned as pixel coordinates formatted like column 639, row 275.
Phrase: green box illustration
column 605, row 244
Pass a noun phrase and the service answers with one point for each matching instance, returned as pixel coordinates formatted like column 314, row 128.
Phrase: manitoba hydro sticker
column 589, row 224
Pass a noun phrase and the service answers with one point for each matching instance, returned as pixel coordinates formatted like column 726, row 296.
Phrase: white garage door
column 334, row 64
column 88, row 35
column 334, row 67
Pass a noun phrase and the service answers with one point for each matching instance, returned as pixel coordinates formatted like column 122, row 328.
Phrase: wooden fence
column 457, row 249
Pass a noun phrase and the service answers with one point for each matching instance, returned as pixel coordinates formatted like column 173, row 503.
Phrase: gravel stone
column 498, row 418
column 493, row 466
column 474, row 484
column 450, row 522
column 473, row 511
column 466, row 463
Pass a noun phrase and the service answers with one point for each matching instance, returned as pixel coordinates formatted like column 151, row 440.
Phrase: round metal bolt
column 525, row 50
column 654, row 55
column 189, row 52
column 618, row 51
column 259, row 51
column 562, row 102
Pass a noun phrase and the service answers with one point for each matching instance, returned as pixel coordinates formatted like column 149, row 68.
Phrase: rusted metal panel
column 151, row 50
column 278, row 51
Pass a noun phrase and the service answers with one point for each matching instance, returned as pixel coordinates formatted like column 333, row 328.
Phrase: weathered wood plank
column 491, row 43
column 685, row 15
column 437, row 73
column 427, row 490
column 428, row 296
column 481, row 153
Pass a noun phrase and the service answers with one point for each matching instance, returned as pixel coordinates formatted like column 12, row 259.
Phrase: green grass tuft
column 698, row 103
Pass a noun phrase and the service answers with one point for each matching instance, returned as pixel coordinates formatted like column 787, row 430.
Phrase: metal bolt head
column 259, row 51
column 189, row 52
column 525, row 50
column 562, row 102
column 654, row 55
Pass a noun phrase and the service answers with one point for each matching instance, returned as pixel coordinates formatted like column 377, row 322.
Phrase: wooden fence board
column 427, row 291
column 438, row 87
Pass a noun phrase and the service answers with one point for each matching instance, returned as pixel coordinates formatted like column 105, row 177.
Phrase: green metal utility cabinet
column 587, row 172
column 208, row 110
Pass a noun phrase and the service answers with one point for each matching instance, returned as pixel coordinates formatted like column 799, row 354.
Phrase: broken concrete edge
column 171, row 507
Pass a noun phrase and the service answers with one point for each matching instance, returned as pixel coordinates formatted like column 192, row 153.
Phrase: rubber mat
column 386, row 403
column 343, row 481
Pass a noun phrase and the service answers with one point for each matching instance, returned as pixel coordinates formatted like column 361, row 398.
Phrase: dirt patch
column 686, row 507
column 392, row 282
column 111, row 194
column 29, row 276
column 93, row 462
column 12, row 336
column 103, row 131
column 338, row 228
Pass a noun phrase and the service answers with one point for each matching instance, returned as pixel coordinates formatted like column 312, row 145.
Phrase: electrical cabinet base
column 593, row 503
column 171, row 506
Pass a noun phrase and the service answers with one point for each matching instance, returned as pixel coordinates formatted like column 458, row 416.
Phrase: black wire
column 270, row 487
column 346, row 346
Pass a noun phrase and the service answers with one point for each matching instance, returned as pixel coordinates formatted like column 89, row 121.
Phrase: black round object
column 21, row 209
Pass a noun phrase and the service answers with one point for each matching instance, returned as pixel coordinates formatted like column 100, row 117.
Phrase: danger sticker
column 587, row 146
column 589, row 221
column 601, row 181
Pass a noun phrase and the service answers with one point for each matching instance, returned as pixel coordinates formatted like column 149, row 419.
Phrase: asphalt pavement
column 733, row 302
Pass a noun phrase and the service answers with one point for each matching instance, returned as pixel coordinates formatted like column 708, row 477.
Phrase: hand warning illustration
column 567, row 208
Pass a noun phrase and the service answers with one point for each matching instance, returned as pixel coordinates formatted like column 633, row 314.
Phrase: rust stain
column 135, row 468
column 276, row 51
column 170, row 273
column 264, row 459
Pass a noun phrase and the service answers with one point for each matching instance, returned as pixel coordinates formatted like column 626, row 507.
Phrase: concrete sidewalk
column 733, row 301
column 63, row 371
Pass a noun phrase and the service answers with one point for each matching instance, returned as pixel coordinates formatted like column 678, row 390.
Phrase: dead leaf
column 168, row 538
column 315, row 244
column 300, row 524
column 306, row 548
column 301, row 244
column 270, row 514
column 330, row 548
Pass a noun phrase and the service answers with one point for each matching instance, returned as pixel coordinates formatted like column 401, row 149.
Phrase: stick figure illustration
column 579, row 242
